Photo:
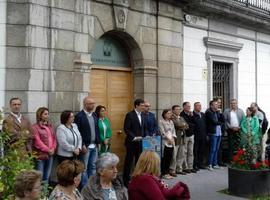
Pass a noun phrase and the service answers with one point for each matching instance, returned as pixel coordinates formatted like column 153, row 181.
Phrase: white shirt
column 18, row 117
column 139, row 116
column 88, row 113
column 234, row 120
column 104, row 128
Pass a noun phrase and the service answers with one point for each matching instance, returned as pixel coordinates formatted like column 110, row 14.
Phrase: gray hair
column 106, row 160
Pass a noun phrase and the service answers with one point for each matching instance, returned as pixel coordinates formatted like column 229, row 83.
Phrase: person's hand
column 51, row 152
column 76, row 151
column 235, row 129
column 106, row 141
column 137, row 138
column 170, row 142
column 84, row 149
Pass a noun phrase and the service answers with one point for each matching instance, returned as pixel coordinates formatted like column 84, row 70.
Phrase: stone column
column 170, row 56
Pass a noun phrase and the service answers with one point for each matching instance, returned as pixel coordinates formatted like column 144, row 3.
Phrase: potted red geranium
column 247, row 176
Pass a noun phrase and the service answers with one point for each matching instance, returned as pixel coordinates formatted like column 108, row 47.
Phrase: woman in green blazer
column 104, row 129
column 250, row 125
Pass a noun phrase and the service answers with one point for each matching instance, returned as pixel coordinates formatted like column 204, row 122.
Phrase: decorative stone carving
column 120, row 14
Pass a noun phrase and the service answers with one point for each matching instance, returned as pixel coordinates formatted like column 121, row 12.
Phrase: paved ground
column 204, row 185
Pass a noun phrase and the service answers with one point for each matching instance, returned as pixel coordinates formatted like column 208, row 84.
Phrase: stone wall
column 2, row 52
column 49, row 45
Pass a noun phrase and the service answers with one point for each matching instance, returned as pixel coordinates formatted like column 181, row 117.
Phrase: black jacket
column 84, row 127
column 191, row 123
column 200, row 126
column 212, row 122
column 132, row 126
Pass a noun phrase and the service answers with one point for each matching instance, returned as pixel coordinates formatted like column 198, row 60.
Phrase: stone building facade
column 55, row 52
column 232, row 33
column 46, row 49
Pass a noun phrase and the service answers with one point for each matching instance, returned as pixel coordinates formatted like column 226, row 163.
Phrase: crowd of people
column 81, row 145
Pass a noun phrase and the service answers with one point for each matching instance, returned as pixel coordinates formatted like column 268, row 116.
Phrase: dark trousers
column 199, row 152
column 62, row 158
column 234, row 139
column 166, row 160
column 133, row 151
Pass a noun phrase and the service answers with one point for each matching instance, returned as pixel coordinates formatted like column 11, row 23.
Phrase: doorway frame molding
column 219, row 50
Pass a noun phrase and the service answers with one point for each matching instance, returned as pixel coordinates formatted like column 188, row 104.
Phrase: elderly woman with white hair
column 105, row 184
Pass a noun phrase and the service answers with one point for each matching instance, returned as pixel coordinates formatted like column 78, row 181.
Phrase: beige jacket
column 18, row 130
column 180, row 126
column 167, row 131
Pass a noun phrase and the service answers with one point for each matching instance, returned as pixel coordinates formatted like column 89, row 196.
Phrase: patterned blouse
column 58, row 194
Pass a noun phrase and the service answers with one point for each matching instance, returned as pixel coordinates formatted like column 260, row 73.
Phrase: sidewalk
column 205, row 185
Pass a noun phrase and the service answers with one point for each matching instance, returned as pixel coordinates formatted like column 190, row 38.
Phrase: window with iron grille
column 221, row 82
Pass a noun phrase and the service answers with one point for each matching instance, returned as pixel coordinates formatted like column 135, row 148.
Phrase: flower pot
column 249, row 183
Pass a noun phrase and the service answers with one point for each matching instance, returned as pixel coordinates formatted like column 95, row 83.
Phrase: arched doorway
column 111, row 85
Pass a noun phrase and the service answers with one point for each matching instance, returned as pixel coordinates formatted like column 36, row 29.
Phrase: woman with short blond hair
column 146, row 173
column 149, row 164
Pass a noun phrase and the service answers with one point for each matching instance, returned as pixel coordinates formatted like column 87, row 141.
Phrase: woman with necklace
column 68, row 137
column 69, row 177
column 104, row 129
column 44, row 142
column 105, row 184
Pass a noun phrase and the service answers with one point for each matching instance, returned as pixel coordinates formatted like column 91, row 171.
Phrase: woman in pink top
column 44, row 142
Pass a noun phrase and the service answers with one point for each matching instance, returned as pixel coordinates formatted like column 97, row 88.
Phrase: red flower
column 257, row 165
column 235, row 158
column 240, row 152
column 241, row 162
column 266, row 162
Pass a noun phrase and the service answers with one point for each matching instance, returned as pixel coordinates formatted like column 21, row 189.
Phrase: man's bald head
column 89, row 104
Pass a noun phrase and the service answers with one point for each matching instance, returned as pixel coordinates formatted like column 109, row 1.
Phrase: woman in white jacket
column 167, row 131
column 68, row 138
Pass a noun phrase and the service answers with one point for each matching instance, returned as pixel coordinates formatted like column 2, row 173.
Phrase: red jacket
column 148, row 187
column 44, row 140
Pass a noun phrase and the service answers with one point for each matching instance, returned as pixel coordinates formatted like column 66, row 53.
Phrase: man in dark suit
column 134, row 127
column 87, row 122
column 200, row 136
column 150, row 121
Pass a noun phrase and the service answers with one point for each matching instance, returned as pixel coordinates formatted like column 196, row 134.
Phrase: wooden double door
column 114, row 90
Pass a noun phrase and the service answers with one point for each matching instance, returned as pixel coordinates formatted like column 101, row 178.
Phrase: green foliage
column 246, row 157
column 14, row 159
